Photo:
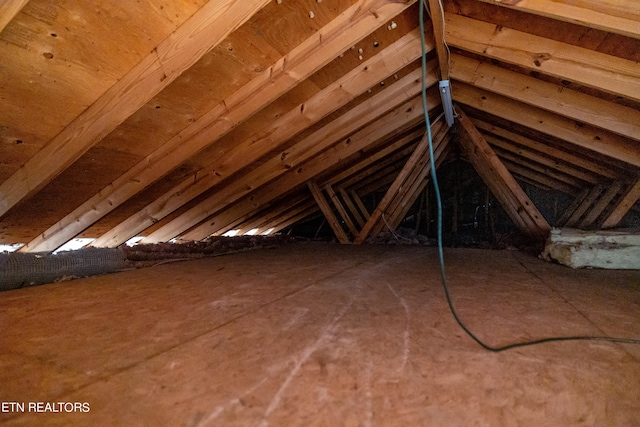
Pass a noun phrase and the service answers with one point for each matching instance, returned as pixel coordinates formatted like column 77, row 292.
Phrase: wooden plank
column 383, row 128
column 561, row 155
column 615, row 118
column 577, row 201
column 330, row 99
column 623, row 206
column 400, row 207
column 175, row 54
column 602, row 203
column 415, row 159
column 538, row 178
column 533, row 164
column 341, row 209
column 587, row 137
column 9, row 9
column 361, row 206
column 587, row 67
column 594, row 193
column 328, row 213
column 500, row 181
column 304, row 60
column 353, row 210
column 437, row 20
column 614, row 16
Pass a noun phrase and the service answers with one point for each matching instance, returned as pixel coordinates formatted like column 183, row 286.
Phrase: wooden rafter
column 596, row 210
column 593, row 195
column 328, row 213
column 417, row 161
column 615, row 16
column 586, row 137
column 623, row 206
column 9, row 9
column 386, row 127
column 575, row 203
column 615, row 118
column 552, row 152
column 178, row 52
column 501, row 183
column 304, row 60
column 587, row 67
column 284, row 128
column 351, row 206
column 342, row 211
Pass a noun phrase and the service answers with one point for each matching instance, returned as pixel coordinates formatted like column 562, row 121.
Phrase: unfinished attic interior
column 344, row 142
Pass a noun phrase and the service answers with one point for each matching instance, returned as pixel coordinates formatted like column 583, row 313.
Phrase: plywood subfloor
column 319, row 334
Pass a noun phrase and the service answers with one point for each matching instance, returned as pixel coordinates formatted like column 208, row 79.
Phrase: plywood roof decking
column 214, row 107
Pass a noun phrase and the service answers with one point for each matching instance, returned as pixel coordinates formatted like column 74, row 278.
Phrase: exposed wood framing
column 501, row 183
column 607, row 115
column 341, row 209
column 351, row 206
column 551, row 152
column 384, row 128
column 575, row 203
column 602, row 203
column 584, row 206
column 9, row 9
column 437, row 20
column 175, row 54
column 328, row 213
column 615, row 16
column 361, row 206
column 608, row 73
column 623, row 206
column 586, row 137
column 304, row 60
column 537, row 178
column 315, row 108
column 417, row 161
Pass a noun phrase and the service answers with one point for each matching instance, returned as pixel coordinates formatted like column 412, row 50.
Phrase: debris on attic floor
column 594, row 249
column 19, row 270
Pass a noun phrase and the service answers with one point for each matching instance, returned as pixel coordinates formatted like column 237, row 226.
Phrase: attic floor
column 321, row 334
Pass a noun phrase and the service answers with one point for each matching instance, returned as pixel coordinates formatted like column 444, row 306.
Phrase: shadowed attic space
column 169, row 121
column 290, row 120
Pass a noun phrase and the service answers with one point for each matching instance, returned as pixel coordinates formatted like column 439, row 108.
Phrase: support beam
column 353, row 210
column 417, row 160
column 9, row 9
column 614, row 16
column 615, row 118
column 585, row 136
column 384, row 128
column 328, row 213
column 304, row 60
column 623, row 206
column 602, row 203
column 341, row 209
column 330, row 99
column 175, row 54
column 437, row 19
column 597, row 168
column 500, row 181
column 361, row 206
column 587, row 67
column 584, row 206
column 575, row 203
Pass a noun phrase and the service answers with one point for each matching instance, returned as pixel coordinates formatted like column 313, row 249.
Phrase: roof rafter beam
column 348, row 28
column 614, row 16
column 568, row 130
column 9, row 9
column 339, row 93
column 500, row 181
column 176, row 53
column 386, row 127
column 615, row 118
column 587, row 67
